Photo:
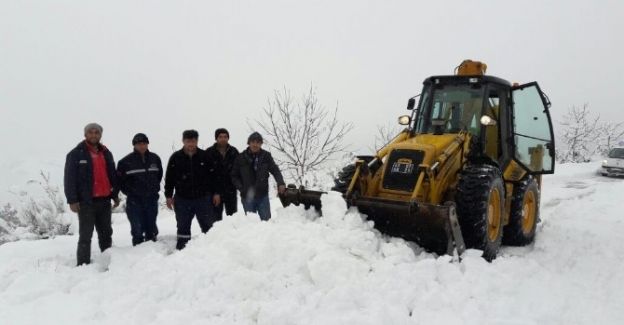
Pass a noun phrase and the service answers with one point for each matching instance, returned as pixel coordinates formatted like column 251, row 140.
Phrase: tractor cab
column 505, row 123
column 452, row 104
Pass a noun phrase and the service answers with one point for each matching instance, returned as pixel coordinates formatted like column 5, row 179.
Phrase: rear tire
column 524, row 214
column 480, row 205
column 341, row 183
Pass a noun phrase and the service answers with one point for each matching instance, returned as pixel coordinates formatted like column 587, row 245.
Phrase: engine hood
column 613, row 162
column 431, row 144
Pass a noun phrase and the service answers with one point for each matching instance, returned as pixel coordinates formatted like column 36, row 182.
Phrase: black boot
column 83, row 253
column 150, row 237
column 137, row 240
column 181, row 243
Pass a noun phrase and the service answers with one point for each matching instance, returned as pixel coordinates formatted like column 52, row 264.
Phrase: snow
column 301, row 269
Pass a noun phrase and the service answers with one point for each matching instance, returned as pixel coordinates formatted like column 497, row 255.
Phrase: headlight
column 486, row 120
column 404, row 119
column 604, row 162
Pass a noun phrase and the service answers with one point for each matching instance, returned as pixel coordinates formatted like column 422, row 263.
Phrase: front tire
column 480, row 206
column 523, row 215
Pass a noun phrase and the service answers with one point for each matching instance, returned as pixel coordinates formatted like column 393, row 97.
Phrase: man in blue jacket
column 140, row 173
column 90, row 185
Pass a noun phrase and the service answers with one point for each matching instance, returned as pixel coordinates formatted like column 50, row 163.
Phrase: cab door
column 533, row 137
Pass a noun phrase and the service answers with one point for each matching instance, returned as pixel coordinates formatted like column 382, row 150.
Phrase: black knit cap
column 190, row 134
column 140, row 137
column 254, row 137
column 220, row 131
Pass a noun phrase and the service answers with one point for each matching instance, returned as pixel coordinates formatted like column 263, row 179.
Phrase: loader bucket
column 433, row 227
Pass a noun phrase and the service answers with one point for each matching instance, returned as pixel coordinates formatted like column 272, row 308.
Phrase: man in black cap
column 250, row 175
column 223, row 154
column 191, row 187
column 140, row 173
column 90, row 184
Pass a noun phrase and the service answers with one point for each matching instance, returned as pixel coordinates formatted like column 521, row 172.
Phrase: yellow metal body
column 444, row 156
column 471, row 68
column 438, row 174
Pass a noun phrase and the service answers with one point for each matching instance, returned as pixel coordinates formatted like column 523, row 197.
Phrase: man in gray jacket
column 250, row 175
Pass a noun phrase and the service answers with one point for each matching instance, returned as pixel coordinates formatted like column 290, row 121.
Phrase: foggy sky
column 160, row 67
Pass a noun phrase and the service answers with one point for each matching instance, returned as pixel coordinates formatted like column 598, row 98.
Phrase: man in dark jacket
column 223, row 154
column 191, row 187
column 90, row 185
column 140, row 173
column 250, row 175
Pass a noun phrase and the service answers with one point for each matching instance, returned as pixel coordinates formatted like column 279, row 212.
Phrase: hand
column 170, row 203
column 281, row 189
column 115, row 202
column 75, row 207
column 216, row 199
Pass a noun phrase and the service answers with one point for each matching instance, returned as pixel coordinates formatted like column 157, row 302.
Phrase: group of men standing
column 198, row 184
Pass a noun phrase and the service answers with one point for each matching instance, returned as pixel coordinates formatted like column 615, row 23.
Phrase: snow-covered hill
column 300, row 269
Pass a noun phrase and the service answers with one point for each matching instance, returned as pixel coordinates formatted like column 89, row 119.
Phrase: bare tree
column 304, row 133
column 580, row 134
column 53, row 192
column 610, row 135
column 42, row 216
column 9, row 220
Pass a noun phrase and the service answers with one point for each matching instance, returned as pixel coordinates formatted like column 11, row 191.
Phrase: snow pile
column 301, row 269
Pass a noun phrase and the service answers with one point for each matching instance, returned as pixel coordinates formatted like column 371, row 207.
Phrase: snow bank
column 301, row 269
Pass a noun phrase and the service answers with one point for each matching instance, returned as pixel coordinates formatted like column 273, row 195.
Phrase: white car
column 614, row 164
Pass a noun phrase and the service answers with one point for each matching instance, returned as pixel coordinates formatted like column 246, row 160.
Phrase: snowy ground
column 300, row 269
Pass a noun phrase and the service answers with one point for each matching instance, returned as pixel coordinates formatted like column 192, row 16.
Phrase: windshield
column 450, row 109
column 617, row 153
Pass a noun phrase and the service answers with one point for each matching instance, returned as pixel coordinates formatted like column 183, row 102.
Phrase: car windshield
column 451, row 108
column 617, row 153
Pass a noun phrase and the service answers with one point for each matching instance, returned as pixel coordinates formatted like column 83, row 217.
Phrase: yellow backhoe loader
column 465, row 172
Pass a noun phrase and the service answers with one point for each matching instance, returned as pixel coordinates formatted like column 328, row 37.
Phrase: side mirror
column 404, row 119
column 411, row 103
column 487, row 121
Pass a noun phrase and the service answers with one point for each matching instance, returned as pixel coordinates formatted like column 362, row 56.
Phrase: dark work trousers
column 230, row 202
column 142, row 213
column 98, row 214
column 260, row 206
column 186, row 209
